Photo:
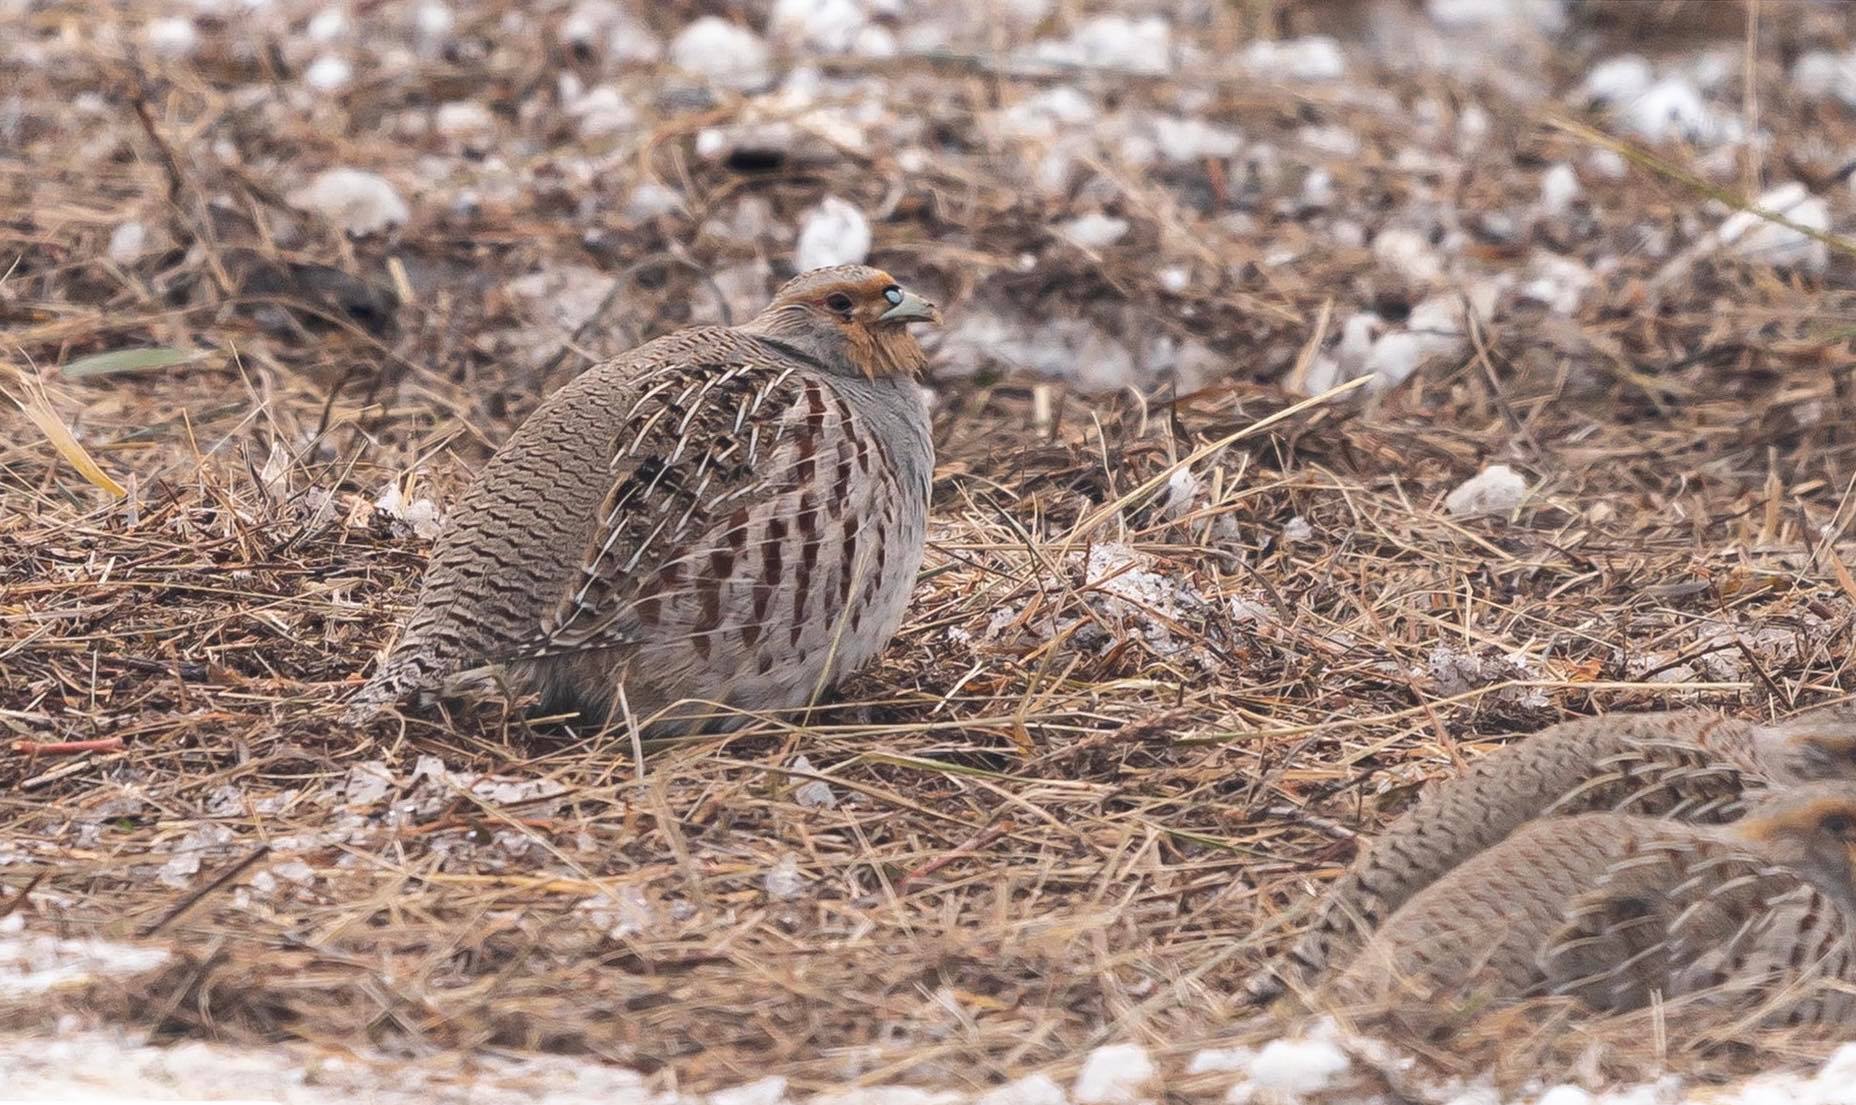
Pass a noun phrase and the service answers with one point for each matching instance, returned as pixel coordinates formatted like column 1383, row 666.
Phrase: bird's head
column 1812, row 829
column 853, row 319
column 1816, row 744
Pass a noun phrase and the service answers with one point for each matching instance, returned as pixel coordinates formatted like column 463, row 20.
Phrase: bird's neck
column 887, row 351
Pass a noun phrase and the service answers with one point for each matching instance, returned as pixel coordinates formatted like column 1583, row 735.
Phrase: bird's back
column 1657, row 763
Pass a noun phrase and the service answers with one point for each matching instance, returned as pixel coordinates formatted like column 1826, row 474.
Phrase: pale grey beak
column 913, row 308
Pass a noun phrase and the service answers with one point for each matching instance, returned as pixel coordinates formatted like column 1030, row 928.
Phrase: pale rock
column 1114, row 1074
column 723, row 53
column 1297, row 530
column 1174, row 278
column 833, row 233
column 1497, row 489
column 359, row 202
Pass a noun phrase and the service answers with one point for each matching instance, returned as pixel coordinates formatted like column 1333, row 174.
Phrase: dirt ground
column 1185, row 636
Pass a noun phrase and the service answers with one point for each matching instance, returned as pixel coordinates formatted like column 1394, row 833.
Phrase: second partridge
column 1617, row 910
column 1688, row 765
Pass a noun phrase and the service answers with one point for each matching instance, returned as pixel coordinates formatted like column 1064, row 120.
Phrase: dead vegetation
column 1141, row 709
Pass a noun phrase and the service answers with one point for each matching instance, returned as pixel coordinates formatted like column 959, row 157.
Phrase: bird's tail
column 405, row 672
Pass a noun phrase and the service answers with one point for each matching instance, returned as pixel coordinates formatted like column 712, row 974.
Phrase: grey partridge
column 720, row 521
column 1617, row 910
column 1689, row 765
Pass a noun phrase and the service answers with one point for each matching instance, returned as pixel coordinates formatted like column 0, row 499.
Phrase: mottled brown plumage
column 1617, row 911
column 1687, row 765
column 721, row 516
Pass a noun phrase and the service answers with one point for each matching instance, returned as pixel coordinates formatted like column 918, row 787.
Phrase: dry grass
column 1069, row 809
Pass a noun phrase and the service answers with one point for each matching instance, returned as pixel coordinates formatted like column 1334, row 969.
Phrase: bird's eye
column 1838, row 824
column 893, row 294
column 839, row 302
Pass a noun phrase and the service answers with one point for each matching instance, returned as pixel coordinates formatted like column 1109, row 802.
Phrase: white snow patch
column 783, row 881
column 833, row 26
column 359, row 202
column 1033, row 1089
column 36, row 963
column 327, row 25
column 1314, row 58
column 649, row 199
column 127, row 242
column 1114, row 1074
column 770, row 1090
column 1094, row 230
column 462, row 120
column 1113, row 42
column 723, row 53
column 1558, row 283
column 599, row 111
column 833, row 233
column 1618, row 79
column 1043, row 115
column 1497, row 489
column 813, row 794
column 1559, row 187
column 1216, row 1060
column 328, row 73
column 1182, row 139
column 173, row 37
column 1820, row 73
column 565, row 297
column 418, row 516
column 1410, row 254
column 622, row 913
column 1752, row 237
column 1298, row 1067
